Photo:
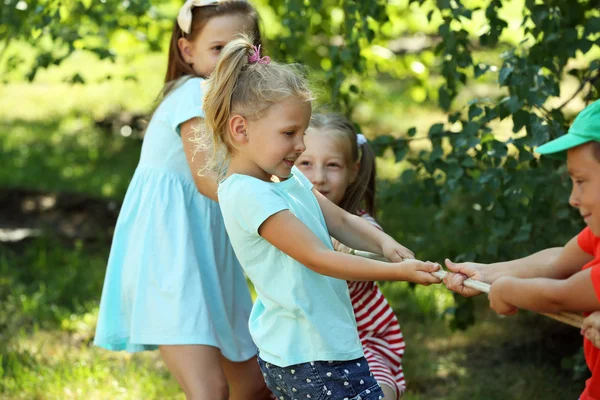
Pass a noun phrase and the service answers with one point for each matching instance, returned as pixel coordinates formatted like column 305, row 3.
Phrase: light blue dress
column 172, row 276
column 299, row 315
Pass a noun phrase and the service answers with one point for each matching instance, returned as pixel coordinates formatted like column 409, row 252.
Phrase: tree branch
column 584, row 82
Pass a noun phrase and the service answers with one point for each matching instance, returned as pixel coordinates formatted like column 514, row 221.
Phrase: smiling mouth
column 290, row 161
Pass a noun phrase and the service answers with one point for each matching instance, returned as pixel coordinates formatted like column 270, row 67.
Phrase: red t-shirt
column 591, row 245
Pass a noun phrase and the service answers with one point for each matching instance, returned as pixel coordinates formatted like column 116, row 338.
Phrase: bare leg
column 197, row 369
column 245, row 380
column 388, row 392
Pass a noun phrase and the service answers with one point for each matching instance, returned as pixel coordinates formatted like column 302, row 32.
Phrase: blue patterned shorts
column 322, row 380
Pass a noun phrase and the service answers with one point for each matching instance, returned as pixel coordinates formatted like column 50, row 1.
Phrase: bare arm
column 286, row 232
column 206, row 184
column 545, row 295
column 553, row 263
column 357, row 233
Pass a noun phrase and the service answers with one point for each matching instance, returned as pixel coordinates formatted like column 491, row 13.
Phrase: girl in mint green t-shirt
column 302, row 322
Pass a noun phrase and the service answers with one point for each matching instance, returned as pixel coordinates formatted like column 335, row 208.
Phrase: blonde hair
column 239, row 87
column 361, row 192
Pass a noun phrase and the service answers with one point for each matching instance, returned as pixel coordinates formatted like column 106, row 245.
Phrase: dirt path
column 28, row 213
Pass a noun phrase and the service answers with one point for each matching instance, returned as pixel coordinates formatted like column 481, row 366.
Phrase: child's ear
column 185, row 48
column 354, row 173
column 238, row 126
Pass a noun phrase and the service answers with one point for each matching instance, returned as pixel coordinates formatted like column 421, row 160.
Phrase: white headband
column 184, row 18
column 360, row 139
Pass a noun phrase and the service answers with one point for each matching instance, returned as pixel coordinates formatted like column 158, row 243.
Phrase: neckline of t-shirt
column 283, row 184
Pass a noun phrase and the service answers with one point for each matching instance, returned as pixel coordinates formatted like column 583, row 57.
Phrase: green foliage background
column 454, row 95
column 465, row 173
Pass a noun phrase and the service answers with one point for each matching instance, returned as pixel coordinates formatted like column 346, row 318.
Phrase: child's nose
column 318, row 176
column 574, row 197
column 300, row 146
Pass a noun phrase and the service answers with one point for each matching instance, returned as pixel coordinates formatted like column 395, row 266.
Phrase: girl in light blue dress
column 173, row 281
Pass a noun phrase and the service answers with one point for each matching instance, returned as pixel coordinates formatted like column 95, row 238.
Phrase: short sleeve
column 302, row 178
column 249, row 201
column 595, row 275
column 586, row 241
column 186, row 102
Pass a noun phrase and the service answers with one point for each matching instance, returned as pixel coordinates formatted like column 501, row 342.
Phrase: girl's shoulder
column 183, row 103
column 185, row 87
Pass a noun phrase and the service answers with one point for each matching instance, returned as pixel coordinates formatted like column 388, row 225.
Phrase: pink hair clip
column 256, row 58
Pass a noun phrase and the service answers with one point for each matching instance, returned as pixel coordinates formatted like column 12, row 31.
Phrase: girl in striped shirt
column 341, row 165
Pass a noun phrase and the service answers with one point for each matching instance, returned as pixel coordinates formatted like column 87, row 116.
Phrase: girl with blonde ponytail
column 302, row 321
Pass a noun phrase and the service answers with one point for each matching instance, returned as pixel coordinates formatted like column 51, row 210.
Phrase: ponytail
column 363, row 187
column 244, row 83
column 221, row 86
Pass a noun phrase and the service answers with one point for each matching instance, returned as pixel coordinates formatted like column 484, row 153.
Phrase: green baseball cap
column 585, row 128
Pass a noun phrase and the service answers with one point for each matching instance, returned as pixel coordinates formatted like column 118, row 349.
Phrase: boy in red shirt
column 562, row 278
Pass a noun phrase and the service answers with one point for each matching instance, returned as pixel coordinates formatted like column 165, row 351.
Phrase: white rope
column 569, row 318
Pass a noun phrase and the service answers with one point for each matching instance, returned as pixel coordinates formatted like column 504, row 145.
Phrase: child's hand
column 459, row 272
column 591, row 328
column 417, row 271
column 395, row 252
column 497, row 301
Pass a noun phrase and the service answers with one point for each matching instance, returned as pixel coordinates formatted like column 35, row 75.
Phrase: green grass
column 56, row 365
column 49, row 294
column 523, row 357
column 68, row 155
column 494, row 359
column 131, row 84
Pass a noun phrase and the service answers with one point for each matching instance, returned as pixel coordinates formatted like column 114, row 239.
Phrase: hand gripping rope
column 569, row 318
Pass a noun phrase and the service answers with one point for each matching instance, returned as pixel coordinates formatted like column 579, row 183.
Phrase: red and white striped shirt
column 378, row 329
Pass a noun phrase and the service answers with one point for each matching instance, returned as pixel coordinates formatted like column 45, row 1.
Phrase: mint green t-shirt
column 299, row 315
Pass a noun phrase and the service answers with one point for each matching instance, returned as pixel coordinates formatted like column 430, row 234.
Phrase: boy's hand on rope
column 497, row 301
column 395, row 252
column 417, row 271
column 591, row 328
column 460, row 272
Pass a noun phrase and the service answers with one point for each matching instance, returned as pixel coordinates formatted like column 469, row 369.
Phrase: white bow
column 360, row 139
column 184, row 18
